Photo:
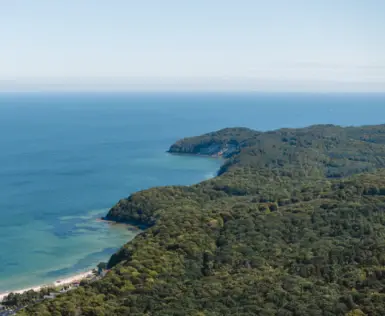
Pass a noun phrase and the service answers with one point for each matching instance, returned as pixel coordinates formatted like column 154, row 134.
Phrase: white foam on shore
column 65, row 281
column 210, row 175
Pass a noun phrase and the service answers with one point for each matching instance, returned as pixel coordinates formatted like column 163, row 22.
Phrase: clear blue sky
column 251, row 44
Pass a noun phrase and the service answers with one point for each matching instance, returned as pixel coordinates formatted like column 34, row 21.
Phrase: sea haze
column 66, row 158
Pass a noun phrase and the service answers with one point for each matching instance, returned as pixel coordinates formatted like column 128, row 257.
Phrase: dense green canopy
column 293, row 225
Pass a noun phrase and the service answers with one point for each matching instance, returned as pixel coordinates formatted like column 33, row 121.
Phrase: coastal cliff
column 293, row 225
column 225, row 142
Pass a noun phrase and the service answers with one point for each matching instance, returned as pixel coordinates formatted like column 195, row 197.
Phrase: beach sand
column 64, row 281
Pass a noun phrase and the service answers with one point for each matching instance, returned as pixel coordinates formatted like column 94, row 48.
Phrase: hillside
column 293, row 225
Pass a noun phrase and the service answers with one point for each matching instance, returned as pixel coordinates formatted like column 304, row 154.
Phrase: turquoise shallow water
column 66, row 158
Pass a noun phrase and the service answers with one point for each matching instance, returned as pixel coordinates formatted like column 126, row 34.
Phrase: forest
column 293, row 225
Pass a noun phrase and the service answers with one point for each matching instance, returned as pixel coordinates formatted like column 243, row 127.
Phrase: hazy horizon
column 179, row 85
column 248, row 45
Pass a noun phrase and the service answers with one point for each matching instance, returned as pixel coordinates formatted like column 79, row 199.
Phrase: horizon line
column 188, row 84
column 190, row 91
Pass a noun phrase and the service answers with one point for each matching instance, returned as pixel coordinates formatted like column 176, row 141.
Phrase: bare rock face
column 225, row 142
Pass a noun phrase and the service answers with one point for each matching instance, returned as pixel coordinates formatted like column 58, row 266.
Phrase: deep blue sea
column 65, row 158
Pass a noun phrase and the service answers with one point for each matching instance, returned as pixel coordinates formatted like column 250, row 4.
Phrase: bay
column 66, row 158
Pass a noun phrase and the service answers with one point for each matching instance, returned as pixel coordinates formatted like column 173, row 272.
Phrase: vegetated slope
column 294, row 225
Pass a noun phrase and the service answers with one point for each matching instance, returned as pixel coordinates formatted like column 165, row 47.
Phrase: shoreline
column 131, row 226
column 65, row 281
column 191, row 154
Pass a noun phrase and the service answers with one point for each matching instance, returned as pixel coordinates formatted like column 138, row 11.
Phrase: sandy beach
column 59, row 282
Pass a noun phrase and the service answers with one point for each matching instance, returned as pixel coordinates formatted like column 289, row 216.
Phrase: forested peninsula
column 293, row 225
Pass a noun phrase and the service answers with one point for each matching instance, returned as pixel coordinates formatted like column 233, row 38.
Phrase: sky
column 328, row 45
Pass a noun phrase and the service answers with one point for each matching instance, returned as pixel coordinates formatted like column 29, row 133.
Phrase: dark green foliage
column 15, row 300
column 294, row 225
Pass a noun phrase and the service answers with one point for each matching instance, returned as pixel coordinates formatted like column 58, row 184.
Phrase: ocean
column 66, row 158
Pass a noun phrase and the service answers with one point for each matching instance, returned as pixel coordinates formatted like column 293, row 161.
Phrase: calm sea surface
column 66, row 158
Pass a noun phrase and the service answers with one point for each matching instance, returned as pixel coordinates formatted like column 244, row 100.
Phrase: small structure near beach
column 50, row 296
